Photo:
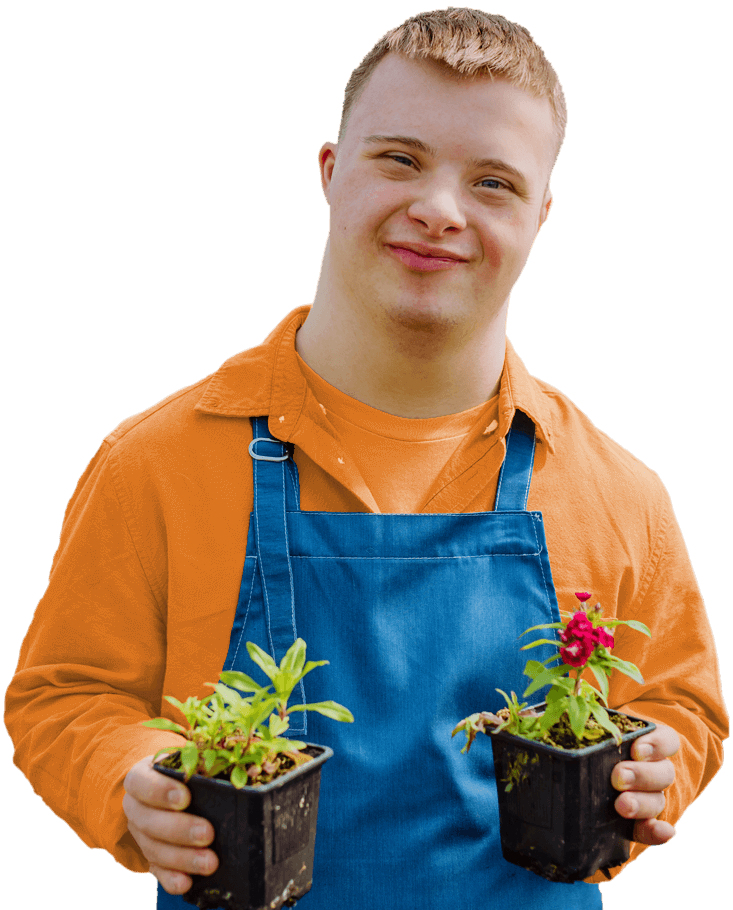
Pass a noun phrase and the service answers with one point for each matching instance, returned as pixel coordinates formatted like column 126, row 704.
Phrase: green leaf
column 554, row 694
column 262, row 659
column 578, row 712
column 328, row 709
column 257, row 753
column 549, row 660
column 532, row 668
column 564, row 683
column 260, row 712
column 294, row 658
column 627, row 668
column 278, row 725
column 210, row 757
column 512, row 702
column 239, row 777
column 284, row 683
column 602, row 680
column 601, row 715
column 545, row 678
column 549, row 625
column 189, row 759
column 311, row 665
column 542, row 641
column 554, row 712
column 294, row 745
column 175, row 702
column 631, row 623
column 166, row 749
column 239, row 681
column 162, row 723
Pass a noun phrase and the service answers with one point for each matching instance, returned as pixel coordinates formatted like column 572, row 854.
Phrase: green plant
column 242, row 735
column 574, row 707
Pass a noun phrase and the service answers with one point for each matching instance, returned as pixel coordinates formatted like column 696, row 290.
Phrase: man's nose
column 438, row 206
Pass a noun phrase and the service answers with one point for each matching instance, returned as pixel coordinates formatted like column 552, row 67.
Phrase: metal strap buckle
column 266, row 457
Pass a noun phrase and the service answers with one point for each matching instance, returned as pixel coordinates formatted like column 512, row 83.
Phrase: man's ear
column 327, row 162
column 545, row 210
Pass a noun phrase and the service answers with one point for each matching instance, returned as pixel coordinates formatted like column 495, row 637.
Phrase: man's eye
column 497, row 184
column 399, row 158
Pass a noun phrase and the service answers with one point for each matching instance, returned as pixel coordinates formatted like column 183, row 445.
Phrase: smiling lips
column 425, row 258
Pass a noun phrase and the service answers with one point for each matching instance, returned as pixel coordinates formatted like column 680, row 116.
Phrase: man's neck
column 405, row 371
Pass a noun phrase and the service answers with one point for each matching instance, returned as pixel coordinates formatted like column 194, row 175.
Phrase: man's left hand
column 649, row 774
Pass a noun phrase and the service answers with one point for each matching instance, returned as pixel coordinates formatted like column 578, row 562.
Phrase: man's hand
column 644, row 780
column 167, row 836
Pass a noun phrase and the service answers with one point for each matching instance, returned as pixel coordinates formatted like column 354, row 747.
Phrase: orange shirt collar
column 267, row 380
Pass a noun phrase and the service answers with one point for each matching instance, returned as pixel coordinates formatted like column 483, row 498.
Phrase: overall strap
column 274, row 484
column 516, row 471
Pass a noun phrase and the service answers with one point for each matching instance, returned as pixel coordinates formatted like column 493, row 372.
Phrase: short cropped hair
column 469, row 42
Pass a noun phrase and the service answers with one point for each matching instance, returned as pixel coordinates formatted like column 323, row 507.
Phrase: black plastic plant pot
column 264, row 837
column 558, row 820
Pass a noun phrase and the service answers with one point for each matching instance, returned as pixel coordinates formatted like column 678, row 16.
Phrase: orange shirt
column 144, row 585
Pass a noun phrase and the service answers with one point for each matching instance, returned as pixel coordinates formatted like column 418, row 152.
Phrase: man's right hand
column 167, row 837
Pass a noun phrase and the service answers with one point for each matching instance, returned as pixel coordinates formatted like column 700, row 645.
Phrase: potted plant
column 258, row 789
column 553, row 761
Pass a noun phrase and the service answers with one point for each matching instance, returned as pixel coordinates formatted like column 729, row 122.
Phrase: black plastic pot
column 558, row 820
column 264, row 837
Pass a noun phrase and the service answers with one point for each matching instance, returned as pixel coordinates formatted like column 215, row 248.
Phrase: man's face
column 472, row 181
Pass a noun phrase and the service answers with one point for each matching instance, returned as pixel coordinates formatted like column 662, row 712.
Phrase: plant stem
column 576, row 690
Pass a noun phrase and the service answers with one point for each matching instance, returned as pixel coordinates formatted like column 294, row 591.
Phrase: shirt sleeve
column 91, row 669
column 679, row 664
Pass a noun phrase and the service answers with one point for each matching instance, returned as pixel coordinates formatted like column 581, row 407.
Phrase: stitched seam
column 427, row 558
column 292, row 590
column 544, row 579
column 412, row 514
column 249, row 603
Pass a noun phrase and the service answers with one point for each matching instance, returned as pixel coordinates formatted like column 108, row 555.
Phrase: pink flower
column 582, row 596
column 579, row 625
column 577, row 653
column 604, row 638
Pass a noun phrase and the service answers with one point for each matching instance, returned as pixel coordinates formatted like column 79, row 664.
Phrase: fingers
column 151, row 787
column 642, row 782
column 640, row 805
column 661, row 743
column 653, row 831
column 643, row 775
column 645, row 807
column 167, row 836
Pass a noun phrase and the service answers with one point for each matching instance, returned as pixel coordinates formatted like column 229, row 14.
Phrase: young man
column 393, row 399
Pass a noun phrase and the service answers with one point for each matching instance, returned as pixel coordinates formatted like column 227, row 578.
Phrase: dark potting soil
column 561, row 736
column 286, row 764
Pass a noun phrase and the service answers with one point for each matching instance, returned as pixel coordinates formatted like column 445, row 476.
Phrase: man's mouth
column 424, row 261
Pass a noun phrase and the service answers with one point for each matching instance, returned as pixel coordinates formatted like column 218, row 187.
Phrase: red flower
column 579, row 625
column 603, row 638
column 582, row 596
column 577, row 653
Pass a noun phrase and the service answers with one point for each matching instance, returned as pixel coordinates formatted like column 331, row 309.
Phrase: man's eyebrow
column 420, row 146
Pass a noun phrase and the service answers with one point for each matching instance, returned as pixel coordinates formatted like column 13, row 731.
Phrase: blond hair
column 469, row 42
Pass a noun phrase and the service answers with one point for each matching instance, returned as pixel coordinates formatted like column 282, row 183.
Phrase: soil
column 561, row 736
column 286, row 764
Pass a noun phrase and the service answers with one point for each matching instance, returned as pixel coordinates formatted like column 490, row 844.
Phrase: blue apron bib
column 419, row 616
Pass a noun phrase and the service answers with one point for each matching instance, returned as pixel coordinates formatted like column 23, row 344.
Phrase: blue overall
column 419, row 616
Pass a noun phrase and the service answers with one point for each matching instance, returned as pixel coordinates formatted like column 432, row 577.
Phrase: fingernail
column 643, row 752
column 200, row 835
column 176, row 799
column 633, row 805
column 625, row 778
